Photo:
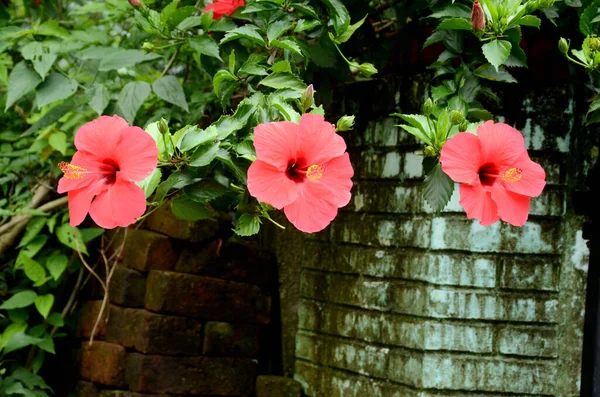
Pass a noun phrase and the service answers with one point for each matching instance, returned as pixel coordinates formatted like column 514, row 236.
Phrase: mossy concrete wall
column 395, row 301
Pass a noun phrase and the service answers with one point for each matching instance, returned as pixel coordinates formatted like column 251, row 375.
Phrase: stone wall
column 186, row 316
column 395, row 301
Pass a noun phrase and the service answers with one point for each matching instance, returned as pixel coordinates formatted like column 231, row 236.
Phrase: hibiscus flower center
column 298, row 170
column 488, row 174
column 108, row 168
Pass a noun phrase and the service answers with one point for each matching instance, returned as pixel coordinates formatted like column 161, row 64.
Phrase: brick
column 277, row 386
column 472, row 270
column 127, row 287
column 367, row 293
column 103, row 363
column 214, row 376
column 206, row 297
column 531, row 273
column 528, row 341
column 144, row 250
column 535, row 237
column 85, row 389
column 386, row 164
column 228, row 261
column 448, row 303
column 489, row 374
column 339, row 353
column 380, row 230
column 320, row 381
column 379, row 133
column 406, row 367
column 230, row 340
column 121, row 393
column 88, row 314
column 164, row 221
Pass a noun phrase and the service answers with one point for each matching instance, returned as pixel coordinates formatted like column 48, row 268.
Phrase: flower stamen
column 315, row 171
column 72, row 171
column 512, row 175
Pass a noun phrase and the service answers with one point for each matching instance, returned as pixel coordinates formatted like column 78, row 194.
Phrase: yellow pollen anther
column 72, row 171
column 512, row 175
column 315, row 171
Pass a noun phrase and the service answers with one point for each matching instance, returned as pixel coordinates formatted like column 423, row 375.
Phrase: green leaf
column 189, row 210
column 284, row 80
column 132, row 97
column 339, row 14
column 54, row 88
column 42, row 56
column 46, row 344
column 21, row 81
column 220, row 77
column 304, row 25
column 56, row 265
column 58, row 140
column 52, row 28
column 244, row 32
column 54, row 115
column 35, row 245
column 437, row 188
column 56, row 320
column 91, row 233
column 247, row 225
column 19, row 300
column 66, row 234
column 281, row 67
column 33, row 270
column 150, row 183
column 252, row 68
column 206, row 45
column 43, row 304
column 585, row 20
column 442, row 125
column 204, row 155
column 440, row 92
column 487, row 71
column 277, row 28
column 496, row 52
column 530, row 20
column 34, row 226
column 420, row 123
column 168, row 88
column 189, row 22
column 287, row 44
column 304, row 8
column 205, row 190
column 491, row 13
column 124, row 59
column 344, row 37
column 232, row 62
column 30, row 380
column 100, row 99
column 227, row 125
column 196, row 137
column 455, row 24
column 20, row 340
column 469, row 88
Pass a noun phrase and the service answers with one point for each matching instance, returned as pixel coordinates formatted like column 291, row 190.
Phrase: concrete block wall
column 186, row 315
column 395, row 301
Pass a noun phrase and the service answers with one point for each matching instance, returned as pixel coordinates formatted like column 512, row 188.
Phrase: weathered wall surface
column 396, row 301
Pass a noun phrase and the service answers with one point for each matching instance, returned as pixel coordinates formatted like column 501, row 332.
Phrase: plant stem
column 170, row 62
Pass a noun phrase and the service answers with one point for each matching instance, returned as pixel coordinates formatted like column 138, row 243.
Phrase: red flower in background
column 224, row 7
column 99, row 180
column 303, row 169
column 496, row 174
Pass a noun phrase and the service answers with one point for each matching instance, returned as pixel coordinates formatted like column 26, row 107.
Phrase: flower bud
column 163, row 127
column 462, row 127
column 429, row 151
column 594, row 43
column 147, row 46
column 456, row 117
column 477, row 17
column 308, row 98
column 345, row 123
column 367, row 69
column 427, row 107
column 563, row 45
column 135, row 3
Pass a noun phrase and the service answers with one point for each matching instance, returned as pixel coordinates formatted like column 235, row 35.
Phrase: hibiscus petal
column 524, row 177
column 100, row 136
column 136, row 154
column 90, row 164
column 461, row 157
column 317, row 141
column 79, row 205
column 312, row 211
column 512, row 207
column 271, row 186
column 501, row 144
column 120, row 205
column 275, row 143
column 478, row 204
column 336, row 179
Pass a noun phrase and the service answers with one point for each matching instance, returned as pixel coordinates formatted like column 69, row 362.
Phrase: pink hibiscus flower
column 99, row 180
column 496, row 174
column 303, row 169
column 224, row 7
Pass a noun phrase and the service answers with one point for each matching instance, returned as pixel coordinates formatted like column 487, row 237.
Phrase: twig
column 49, row 206
column 170, row 62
